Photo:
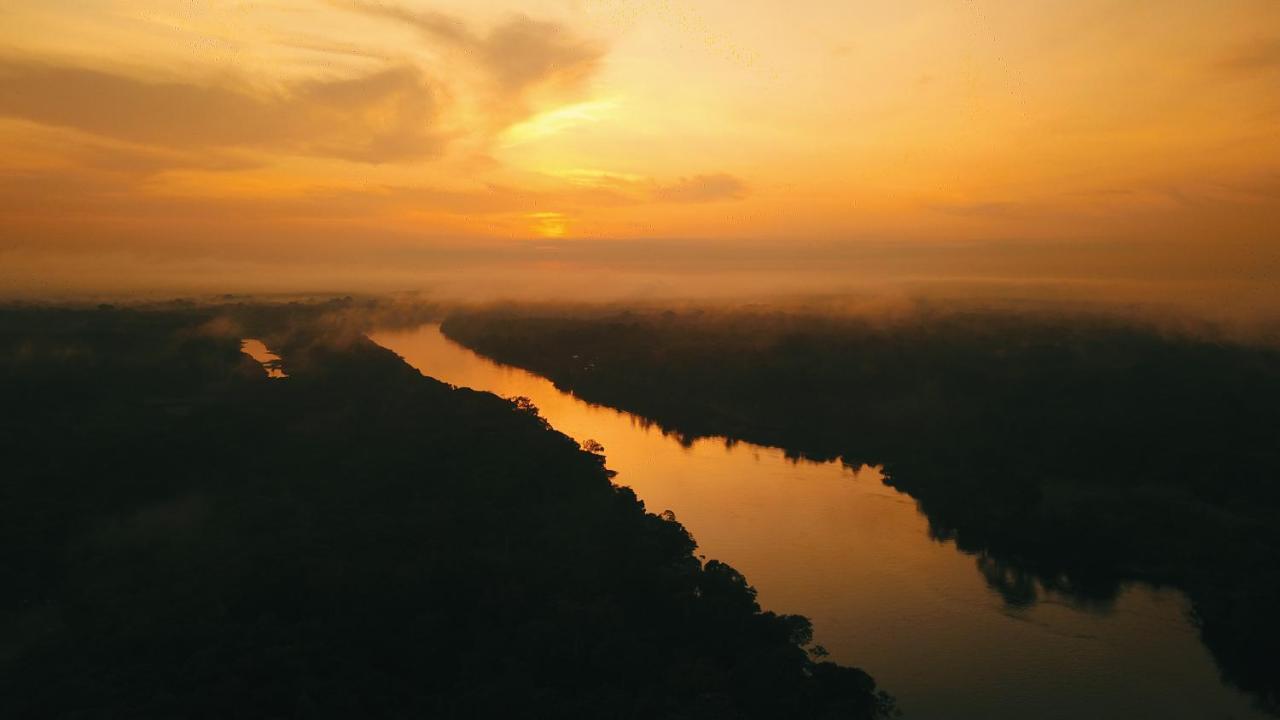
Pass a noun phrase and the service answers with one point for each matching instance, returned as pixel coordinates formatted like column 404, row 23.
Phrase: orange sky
column 581, row 145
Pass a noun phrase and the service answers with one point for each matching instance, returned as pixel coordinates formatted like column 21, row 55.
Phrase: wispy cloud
column 520, row 55
column 395, row 112
column 992, row 209
column 702, row 188
column 557, row 121
column 1257, row 56
column 615, row 188
column 383, row 116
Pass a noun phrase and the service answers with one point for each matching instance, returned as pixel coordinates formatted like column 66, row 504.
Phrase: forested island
column 1070, row 450
column 183, row 536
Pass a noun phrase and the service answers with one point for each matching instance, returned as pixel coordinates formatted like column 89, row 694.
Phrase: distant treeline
column 1074, row 451
column 183, row 537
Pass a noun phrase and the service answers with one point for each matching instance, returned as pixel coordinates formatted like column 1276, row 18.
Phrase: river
column 855, row 556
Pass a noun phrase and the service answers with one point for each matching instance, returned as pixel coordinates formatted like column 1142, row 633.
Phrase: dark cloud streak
column 702, row 188
column 1256, row 57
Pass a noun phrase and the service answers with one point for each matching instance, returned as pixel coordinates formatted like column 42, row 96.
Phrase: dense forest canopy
column 185, row 537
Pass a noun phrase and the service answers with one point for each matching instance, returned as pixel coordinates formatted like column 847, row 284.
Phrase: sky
column 595, row 148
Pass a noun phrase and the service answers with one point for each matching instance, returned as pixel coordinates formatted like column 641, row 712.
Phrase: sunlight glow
column 558, row 121
column 549, row 224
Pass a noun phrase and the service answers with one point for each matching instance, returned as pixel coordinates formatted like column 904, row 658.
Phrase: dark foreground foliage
column 182, row 537
column 1071, row 451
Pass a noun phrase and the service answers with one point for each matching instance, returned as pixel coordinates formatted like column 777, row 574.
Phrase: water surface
column 837, row 545
column 269, row 361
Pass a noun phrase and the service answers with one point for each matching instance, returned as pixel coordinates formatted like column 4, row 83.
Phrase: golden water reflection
column 269, row 361
column 855, row 556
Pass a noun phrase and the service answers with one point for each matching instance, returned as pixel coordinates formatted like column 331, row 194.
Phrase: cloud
column 1254, row 57
column 433, row 23
column 392, row 113
column 142, row 161
column 701, row 188
column 59, row 196
column 991, row 209
column 124, row 195
column 524, row 52
column 384, row 116
column 557, row 121
column 75, row 151
column 1259, row 186
column 330, row 47
column 519, row 56
column 604, row 188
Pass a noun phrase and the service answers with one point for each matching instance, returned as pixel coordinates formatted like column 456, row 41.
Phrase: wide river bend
column 855, row 556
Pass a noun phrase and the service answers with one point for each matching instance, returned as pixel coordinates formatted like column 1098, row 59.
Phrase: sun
column 549, row 224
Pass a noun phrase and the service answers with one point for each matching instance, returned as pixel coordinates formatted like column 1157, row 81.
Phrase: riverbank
column 185, row 536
